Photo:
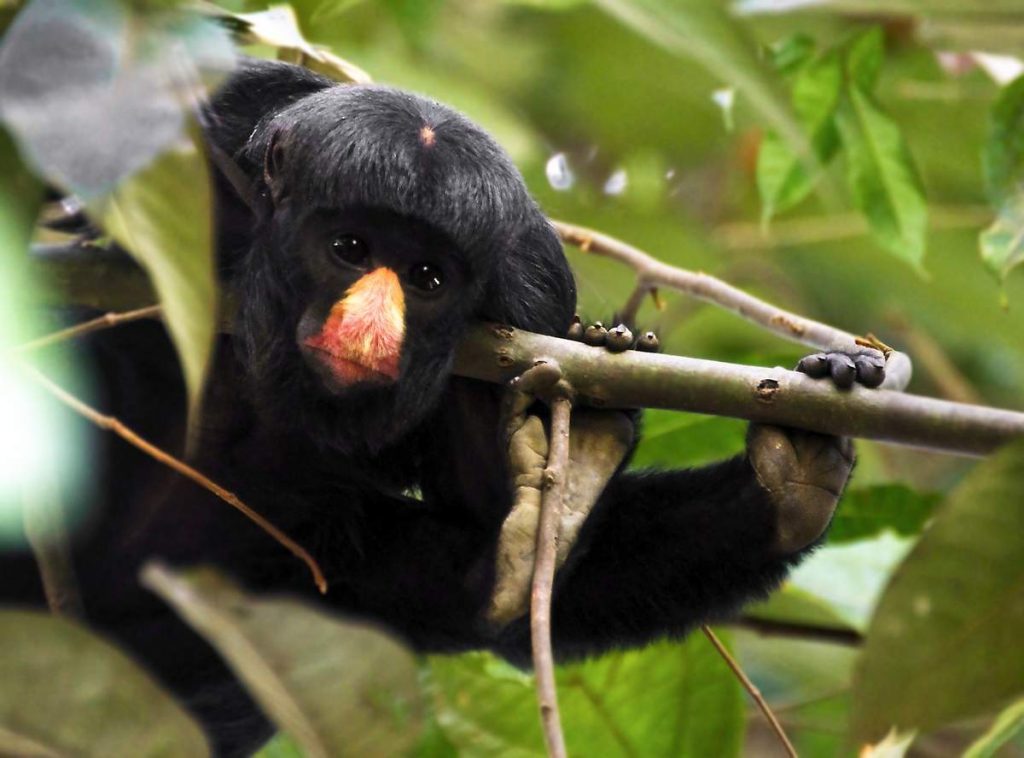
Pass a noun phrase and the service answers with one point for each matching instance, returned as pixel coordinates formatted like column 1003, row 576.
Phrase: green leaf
column 337, row 688
column 851, row 577
column 882, row 177
column 1002, row 243
column 864, row 59
column 686, row 439
column 162, row 217
column 1008, row 725
column 1002, row 156
column 782, row 180
column 669, row 699
column 865, row 513
column 945, row 640
column 792, row 52
column 281, row 746
column 66, row 692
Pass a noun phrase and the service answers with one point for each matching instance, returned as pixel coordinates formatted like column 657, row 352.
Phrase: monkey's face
column 387, row 297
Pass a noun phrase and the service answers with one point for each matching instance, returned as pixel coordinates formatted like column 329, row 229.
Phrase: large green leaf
column 162, row 216
column 865, row 513
column 882, row 177
column 337, row 688
column 945, row 640
column 670, row 699
column 66, row 692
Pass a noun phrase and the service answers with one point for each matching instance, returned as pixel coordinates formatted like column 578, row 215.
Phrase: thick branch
column 769, row 395
column 634, row 379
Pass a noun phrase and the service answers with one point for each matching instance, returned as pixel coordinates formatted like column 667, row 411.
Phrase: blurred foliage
column 303, row 667
column 832, row 98
column 66, row 692
column 944, row 642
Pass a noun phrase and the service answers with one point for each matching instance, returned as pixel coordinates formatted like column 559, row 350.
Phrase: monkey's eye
column 351, row 249
column 426, row 277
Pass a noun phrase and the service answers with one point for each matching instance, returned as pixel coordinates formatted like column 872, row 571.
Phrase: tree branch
column 106, row 321
column 633, row 379
column 556, row 476
column 798, row 631
column 114, row 425
column 751, row 688
column 652, row 273
column 769, row 395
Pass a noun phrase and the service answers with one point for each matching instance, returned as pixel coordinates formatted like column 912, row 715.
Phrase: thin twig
column 106, row 321
column 651, row 273
column 43, row 519
column 555, row 478
column 114, row 425
column 751, row 688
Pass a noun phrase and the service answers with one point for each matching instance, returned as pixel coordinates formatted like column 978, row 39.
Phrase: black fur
column 662, row 552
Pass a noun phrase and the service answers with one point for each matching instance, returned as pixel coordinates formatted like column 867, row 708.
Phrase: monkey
column 364, row 230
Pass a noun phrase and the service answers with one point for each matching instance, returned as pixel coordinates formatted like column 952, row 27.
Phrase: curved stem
column 555, row 478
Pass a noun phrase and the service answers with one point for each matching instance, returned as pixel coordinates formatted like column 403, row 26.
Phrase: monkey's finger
column 870, row 370
column 842, row 369
column 619, row 338
column 815, row 366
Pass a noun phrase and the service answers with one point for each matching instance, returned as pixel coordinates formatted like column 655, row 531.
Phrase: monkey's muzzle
column 361, row 339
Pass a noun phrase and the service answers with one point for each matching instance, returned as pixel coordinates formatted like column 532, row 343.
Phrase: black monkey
column 371, row 227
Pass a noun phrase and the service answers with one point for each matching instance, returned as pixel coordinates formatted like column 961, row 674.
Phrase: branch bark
column 768, row 395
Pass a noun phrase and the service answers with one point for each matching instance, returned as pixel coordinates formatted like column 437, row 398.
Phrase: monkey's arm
column 665, row 551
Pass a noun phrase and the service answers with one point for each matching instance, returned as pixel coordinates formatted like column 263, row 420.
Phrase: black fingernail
column 870, row 371
column 575, row 329
column 619, row 339
column 595, row 334
column 815, row 366
column 842, row 369
column 648, row 343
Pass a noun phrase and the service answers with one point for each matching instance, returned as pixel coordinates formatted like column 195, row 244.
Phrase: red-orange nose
column 364, row 331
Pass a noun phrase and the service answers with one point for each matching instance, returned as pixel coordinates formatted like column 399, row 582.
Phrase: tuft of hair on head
column 427, row 136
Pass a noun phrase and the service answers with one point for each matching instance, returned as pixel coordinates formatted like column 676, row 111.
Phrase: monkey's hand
column 804, row 473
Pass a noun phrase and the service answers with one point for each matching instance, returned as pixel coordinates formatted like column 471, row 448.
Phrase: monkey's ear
column 273, row 166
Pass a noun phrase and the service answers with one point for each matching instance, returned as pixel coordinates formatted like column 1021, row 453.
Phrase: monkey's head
column 386, row 223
